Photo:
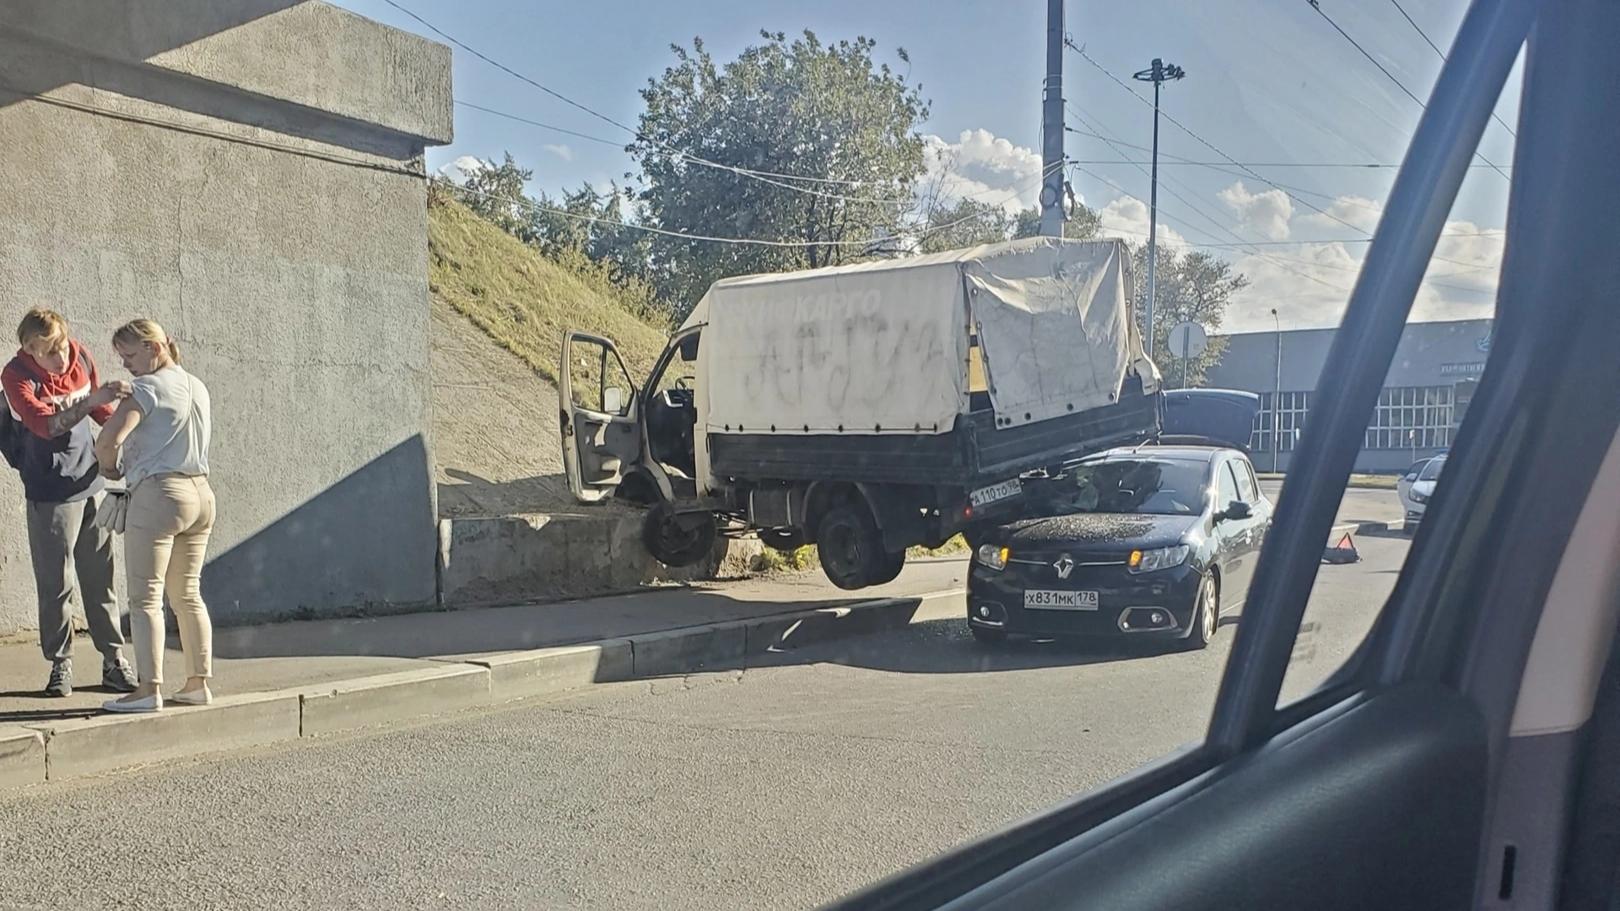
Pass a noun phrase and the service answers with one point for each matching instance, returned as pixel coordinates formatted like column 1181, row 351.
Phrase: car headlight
column 994, row 556
column 1146, row 561
column 1419, row 497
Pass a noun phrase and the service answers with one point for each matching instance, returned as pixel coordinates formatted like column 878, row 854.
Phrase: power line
column 1207, row 144
column 1442, row 55
column 525, row 201
column 1316, row 5
column 595, row 219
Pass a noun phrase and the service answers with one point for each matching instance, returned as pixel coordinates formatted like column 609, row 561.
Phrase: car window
column 1247, row 489
column 1145, row 486
column 1432, row 470
column 1415, row 468
column 1226, row 486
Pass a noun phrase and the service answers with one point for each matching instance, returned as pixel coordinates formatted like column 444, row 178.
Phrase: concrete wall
column 248, row 173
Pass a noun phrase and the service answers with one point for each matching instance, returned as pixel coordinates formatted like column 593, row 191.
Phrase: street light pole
column 1157, row 74
column 1276, row 394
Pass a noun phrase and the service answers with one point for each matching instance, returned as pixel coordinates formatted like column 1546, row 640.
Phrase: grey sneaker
column 116, row 675
column 61, row 682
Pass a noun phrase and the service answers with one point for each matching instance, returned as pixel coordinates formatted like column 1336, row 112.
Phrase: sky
column 1270, row 84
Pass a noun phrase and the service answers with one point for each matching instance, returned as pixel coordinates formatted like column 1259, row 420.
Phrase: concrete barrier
column 84, row 746
column 384, row 698
column 22, row 757
column 543, row 671
column 501, row 559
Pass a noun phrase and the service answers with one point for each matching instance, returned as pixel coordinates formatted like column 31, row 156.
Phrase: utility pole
column 1276, row 393
column 1052, row 125
column 1158, row 74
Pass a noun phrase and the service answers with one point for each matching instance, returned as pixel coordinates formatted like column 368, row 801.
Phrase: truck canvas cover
column 883, row 347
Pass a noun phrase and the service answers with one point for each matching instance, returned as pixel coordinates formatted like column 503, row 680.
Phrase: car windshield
column 1157, row 486
column 1431, row 471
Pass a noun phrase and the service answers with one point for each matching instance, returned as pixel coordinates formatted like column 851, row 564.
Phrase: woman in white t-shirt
column 157, row 441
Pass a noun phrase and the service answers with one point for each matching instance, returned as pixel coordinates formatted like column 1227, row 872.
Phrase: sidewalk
column 260, row 659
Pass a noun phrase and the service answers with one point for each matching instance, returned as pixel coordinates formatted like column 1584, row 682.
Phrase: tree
column 496, row 192
column 965, row 224
column 799, row 108
column 1194, row 286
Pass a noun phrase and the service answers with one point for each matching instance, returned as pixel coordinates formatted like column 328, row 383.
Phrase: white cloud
column 561, row 151
column 1266, row 213
column 1310, row 284
column 983, row 167
column 1127, row 217
column 462, row 168
column 1349, row 211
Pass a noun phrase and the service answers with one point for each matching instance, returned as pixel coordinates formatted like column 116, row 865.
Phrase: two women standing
column 157, row 441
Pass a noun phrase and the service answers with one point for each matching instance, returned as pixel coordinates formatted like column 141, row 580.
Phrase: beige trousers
column 165, row 539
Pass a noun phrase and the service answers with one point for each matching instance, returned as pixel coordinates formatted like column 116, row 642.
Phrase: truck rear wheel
column 851, row 547
column 678, row 539
column 889, row 568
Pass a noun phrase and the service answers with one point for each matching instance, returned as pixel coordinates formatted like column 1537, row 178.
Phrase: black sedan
column 1152, row 541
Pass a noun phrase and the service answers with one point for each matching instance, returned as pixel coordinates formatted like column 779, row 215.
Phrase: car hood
column 1123, row 529
column 1423, row 487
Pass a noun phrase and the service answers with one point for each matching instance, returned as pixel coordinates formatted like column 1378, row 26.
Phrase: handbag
column 111, row 513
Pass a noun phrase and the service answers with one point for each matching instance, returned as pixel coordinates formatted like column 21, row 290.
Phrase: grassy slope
column 524, row 301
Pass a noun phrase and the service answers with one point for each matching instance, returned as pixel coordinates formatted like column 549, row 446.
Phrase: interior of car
column 1468, row 753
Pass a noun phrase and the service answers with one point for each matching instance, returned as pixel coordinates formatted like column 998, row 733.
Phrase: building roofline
column 1273, row 332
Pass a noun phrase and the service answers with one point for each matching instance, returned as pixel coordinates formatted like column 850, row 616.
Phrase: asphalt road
column 778, row 787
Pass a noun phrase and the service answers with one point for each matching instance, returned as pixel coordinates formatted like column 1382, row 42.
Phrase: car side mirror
column 613, row 400
column 1237, row 509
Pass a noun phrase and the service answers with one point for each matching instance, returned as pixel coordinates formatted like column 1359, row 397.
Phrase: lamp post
column 1276, row 394
column 1159, row 73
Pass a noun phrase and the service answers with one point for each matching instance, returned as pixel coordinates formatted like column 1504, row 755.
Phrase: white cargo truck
column 865, row 408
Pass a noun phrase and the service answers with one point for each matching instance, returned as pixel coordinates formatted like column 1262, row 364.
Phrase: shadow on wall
column 142, row 29
column 367, row 542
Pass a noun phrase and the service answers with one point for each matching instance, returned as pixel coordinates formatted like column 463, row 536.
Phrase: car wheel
column 987, row 636
column 850, row 547
column 1206, row 613
column 678, row 539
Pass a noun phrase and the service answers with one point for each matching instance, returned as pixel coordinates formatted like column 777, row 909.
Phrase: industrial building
column 1430, row 380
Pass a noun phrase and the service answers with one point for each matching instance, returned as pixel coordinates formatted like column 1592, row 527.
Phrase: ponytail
column 145, row 331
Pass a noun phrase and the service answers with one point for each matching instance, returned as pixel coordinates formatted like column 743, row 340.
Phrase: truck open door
column 598, row 415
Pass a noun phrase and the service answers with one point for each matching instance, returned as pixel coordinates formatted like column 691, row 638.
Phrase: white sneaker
column 131, row 705
column 204, row 696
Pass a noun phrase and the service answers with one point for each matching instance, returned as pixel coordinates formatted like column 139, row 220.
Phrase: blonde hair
column 40, row 323
column 138, row 331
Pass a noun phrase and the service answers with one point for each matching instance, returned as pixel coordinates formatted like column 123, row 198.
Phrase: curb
column 33, row 753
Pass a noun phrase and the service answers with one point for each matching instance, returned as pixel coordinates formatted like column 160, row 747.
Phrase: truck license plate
column 995, row 493
column 1049, row 600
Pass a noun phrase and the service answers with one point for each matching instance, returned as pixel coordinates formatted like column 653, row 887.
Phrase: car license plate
column 1048, row 600
column 995, row 493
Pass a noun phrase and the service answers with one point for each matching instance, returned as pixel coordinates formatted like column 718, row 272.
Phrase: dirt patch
column 495, row 443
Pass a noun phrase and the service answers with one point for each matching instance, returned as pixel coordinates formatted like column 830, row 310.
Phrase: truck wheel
column 678, row 539
column 850, row 546
column 889, row 568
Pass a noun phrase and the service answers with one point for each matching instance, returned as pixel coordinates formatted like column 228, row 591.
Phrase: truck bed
column 973, row 453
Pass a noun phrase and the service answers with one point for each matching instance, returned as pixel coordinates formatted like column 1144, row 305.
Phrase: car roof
column 1182, row 453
